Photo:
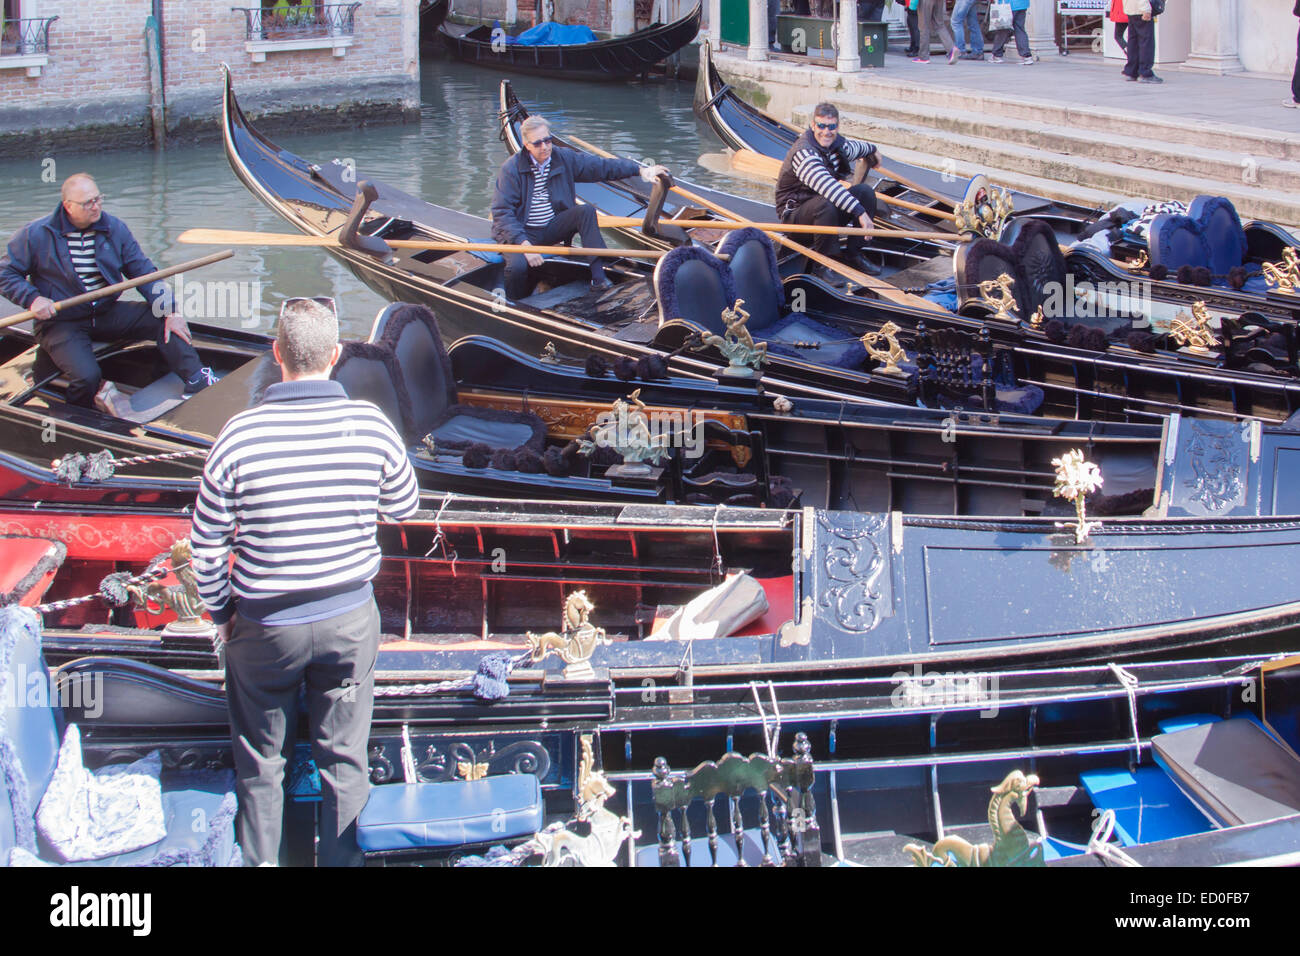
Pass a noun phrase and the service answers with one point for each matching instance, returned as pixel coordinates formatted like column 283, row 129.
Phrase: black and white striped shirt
column 809, row 169
column 81, row 247
column 539, row 206
column 294, row 487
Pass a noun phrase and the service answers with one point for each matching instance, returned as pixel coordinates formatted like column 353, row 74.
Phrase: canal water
column 449, row 157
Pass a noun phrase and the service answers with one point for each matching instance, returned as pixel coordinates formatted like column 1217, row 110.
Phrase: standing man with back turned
column 79, row 248
column 293, row 488
column 534, row 203
column 809, row 192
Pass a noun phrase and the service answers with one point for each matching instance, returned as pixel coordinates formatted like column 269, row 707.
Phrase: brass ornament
column 605, row 831
column 182, row 598
column 1193, row 332
column 1285, row 274
column 549, row 355
column 737, row 346
column 576, row 642
column 1141, row 262
column 626, row 429
column 887, row 357
column 1005, row 301
column 1037, row 319
column 1011, row 844
column 984, row 214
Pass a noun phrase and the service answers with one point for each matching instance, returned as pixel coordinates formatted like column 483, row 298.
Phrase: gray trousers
column 264, row 667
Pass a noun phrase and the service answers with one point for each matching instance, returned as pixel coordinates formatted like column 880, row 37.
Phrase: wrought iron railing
column 302, row 21
column 26, row 36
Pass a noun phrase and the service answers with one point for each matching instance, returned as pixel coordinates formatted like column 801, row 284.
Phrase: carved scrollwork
column 852, row 561
column 461, row 759
column 381, row 768
column 1218, row 459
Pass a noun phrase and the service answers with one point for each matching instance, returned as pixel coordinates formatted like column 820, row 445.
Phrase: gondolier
column 534, row 202
column 809, row 191
column 293, row 488
column 79, row 248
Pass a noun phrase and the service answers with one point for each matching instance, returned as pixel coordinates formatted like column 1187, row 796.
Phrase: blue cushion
column 847, row 352
column 693, row 284
column 403, row 816
column 1222, row 229
column 459, row 431
column 753, row 267
column 1177, row 241
column 1148, row 805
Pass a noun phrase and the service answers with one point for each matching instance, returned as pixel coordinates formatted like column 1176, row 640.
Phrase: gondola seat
column 693, row 284
column 406, row 347
column 450, row 814
column 1028, row 252
column 30, row 738
column 1209, row 236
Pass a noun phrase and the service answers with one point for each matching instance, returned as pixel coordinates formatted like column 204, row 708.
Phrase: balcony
column 305, row 26
column 25, row 44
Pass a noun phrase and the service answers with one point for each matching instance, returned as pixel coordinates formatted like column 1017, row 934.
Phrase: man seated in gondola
column 535, row 205
column 79, row 248
column 809, row 191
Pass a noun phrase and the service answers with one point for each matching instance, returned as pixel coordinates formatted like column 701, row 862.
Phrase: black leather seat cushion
column 370, row 373
column 1234, row 771
column 411, row 333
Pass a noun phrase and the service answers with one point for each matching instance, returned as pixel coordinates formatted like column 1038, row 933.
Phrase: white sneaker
column 112, row 402
column 1291, row 104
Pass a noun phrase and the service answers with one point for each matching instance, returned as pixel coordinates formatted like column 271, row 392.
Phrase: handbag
column 999, row 15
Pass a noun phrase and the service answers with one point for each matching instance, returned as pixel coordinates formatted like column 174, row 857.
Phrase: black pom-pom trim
column 477, row 455
column 1237, row 277
column 503, row 459
column 1184, row 275
column 528, row 461
column 597, row 366
column 1159, row 273
column 625, row 368
column 1201, row 275
column 651, row 367
column 1055, row 331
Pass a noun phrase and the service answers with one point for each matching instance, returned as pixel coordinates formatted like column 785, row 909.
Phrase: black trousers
column 580, row 219
column 1295, row 76
column 1141, row 47
column 264, row 667
column 820, row 211
column 68, row 346
column 913, row 34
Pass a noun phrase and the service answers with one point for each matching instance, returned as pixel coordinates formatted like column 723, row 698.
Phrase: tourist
column 931, row 18
column 76, row 249
column 809, row 191
column 1120, row 19
column 1295, row 73
column 773, row 11
column 1141, row 42
column 534, row 203
column 1019, row 9
column 292, row 488
column 966, row 18
column 913, row 30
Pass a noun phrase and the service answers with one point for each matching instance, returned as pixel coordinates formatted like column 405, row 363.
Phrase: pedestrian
column 76, row 249
column 1295, row 73
column 930, row 15
column 913, row 30
column 966, row 19
column 1141, row 42
column 773, row 11
column 534, row 203
column 292, row 488
column 1019, row 10
column 1120, row 19
column 809, row 191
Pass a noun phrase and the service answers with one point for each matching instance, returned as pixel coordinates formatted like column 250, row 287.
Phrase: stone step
column 1125, row 149
column 1116, row 179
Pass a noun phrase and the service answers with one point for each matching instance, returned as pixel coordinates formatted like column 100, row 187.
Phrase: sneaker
column 1291, row 104
column 952, row 55
column 920, row 59
column 1029, row 60
column 1130, row 79
column 1150, row 79
column 972, row 56
column 201, row 380
column 995, row 58
column 112, row 402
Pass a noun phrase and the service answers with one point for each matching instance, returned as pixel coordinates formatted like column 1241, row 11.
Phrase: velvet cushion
column 411, row 333
column 370, row 373
column 693, row 284
column 1222, row 229
column 984, row 259
column 462, row 425
column 1041, row 266
column 400, row 816
column 753, row 267
column 1176, row 241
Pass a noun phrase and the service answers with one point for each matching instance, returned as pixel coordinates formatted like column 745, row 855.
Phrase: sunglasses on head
column 544, row 141
column 323, row 300
column 828, row 127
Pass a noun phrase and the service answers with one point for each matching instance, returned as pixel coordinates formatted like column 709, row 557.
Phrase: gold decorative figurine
column 576, row 642
column 1193, row 332
column 887, row 357
column 1005, row 301
column 737, row 345
column 1011, row 844
column 183, row 597
column 985, row 213
column 1285, row 274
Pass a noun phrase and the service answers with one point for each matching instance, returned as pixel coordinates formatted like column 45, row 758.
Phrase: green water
column 449, row 157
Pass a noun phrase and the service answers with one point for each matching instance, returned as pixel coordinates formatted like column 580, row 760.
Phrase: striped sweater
column 293, row 488
column 809, row 170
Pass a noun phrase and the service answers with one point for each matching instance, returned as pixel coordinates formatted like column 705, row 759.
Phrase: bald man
column 79, row 248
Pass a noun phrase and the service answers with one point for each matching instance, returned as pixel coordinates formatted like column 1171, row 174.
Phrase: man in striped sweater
column 809, row 191
column 293, row 488
column 80, row 248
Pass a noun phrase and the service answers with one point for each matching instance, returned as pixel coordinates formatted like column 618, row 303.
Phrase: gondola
column 615, row 59
column 902, row 748
column 432, row 14
column 1206, row 255
column 322, row 200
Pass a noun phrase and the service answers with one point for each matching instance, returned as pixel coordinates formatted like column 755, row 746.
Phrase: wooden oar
column 234, row 237
column 120, row 287
column 883, row 289
column 623, row 221
column 767, row 167
column 915, row 186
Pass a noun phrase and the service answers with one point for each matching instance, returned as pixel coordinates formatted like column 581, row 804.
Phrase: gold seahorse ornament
column 1011, row 844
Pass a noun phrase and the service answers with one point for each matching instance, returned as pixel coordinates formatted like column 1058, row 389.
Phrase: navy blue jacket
column 37, row 262
column 514, row 188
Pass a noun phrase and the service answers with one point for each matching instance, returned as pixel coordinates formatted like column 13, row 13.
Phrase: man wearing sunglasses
column 535, row 203
column 79, row 248
column 809, row 191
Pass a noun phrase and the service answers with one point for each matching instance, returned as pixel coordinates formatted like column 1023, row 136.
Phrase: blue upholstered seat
column 1148, row 805
column 30, row 733
column 406, row 816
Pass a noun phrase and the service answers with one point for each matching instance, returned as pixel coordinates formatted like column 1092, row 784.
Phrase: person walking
column 930, row 15
column 966, row 19
column 1019, row 10
column 1295, row 73
column 292, row 488
column 913, row 30
column 1141, row 42
column 1120, row 19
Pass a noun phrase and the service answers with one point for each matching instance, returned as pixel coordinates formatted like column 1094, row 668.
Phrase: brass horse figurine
column 1011, row 845
column 577, row 640
column 182, row 597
